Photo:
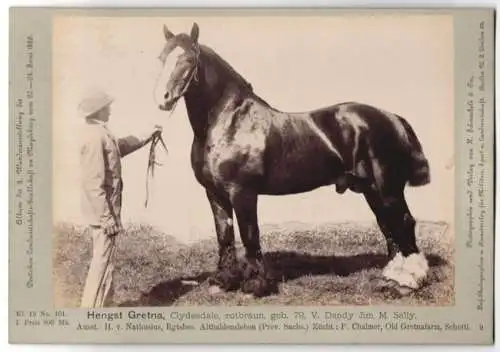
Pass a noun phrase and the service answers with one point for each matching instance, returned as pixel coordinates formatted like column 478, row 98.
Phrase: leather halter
column 192, row 77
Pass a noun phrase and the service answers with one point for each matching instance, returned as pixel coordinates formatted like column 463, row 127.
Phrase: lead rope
column 157, row 137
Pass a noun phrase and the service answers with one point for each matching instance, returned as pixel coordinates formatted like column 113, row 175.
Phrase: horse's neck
column 204, row 99
column 197, row 112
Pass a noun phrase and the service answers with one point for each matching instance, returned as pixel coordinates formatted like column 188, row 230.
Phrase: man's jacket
column 102, row 183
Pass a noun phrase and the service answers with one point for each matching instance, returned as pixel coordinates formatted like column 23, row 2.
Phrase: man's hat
column 93, row 102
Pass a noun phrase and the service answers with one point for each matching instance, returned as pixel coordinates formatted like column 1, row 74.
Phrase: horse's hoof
column 259, row 287
column 403, row 290
column 226, row 281
column 213, row 290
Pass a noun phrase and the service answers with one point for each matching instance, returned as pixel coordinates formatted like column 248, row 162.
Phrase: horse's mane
column 235, row 75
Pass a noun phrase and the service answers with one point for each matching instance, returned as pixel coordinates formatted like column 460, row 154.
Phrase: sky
column 403, row 64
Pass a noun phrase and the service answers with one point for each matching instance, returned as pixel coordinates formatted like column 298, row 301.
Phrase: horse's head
column 181, row 51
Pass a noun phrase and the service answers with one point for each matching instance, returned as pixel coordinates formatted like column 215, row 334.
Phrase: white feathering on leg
column 416, row 265
column 395, row 271
column 213, row 290
column 409, row 271
column 394, row 266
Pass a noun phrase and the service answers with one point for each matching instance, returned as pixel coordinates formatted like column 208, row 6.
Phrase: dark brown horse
column 243, row 147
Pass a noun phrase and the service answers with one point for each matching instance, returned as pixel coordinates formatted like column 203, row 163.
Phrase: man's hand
column 111, row 228
column 157, row 131
column 130, row 144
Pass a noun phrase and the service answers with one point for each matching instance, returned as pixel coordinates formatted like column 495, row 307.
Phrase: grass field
column 331, row 264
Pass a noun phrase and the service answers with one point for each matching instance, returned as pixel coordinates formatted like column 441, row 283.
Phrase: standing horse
column 243, row 147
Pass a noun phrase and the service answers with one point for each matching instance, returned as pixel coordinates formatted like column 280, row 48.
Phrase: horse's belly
column 302, row 175
column 283, row 188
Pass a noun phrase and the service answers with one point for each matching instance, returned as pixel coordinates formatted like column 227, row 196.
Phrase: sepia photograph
column 226, row 160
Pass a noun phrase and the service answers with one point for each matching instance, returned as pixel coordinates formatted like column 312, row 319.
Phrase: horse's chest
column 198, row 163
column 233, row 157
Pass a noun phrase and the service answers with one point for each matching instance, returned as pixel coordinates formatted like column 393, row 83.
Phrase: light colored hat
column 93, row 102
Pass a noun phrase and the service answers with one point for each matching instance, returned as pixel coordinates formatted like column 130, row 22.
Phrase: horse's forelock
column 185, row 41
column 182, row 41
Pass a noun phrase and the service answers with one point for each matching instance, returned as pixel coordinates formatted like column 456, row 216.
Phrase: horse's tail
column 418, row 168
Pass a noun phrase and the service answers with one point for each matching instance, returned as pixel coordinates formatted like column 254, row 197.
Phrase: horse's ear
column 168, row 35
column 195, row 32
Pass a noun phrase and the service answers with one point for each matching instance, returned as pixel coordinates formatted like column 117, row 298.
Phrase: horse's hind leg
column 408, row 267
column 255, row 274
column 375, row 203
column 228, row 275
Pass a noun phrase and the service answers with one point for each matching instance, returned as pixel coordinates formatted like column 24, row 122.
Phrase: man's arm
column 130, row 144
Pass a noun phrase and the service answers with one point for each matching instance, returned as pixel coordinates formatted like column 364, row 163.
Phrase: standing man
column 102, row 185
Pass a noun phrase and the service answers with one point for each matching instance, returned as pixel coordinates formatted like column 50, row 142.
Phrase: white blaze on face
column 164, row 75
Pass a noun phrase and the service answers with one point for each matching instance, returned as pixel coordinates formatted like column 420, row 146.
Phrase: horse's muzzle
column 163, row 107
column 167, row 105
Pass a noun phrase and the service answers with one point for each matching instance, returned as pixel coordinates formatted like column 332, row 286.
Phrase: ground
column 331, row 264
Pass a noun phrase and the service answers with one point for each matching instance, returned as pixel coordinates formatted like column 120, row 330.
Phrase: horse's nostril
column 166, row 95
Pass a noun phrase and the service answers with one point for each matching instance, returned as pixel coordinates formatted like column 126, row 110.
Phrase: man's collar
column 92, row 121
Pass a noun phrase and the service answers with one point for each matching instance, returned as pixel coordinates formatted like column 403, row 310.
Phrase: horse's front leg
column 255, row 273
column 228, row 276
